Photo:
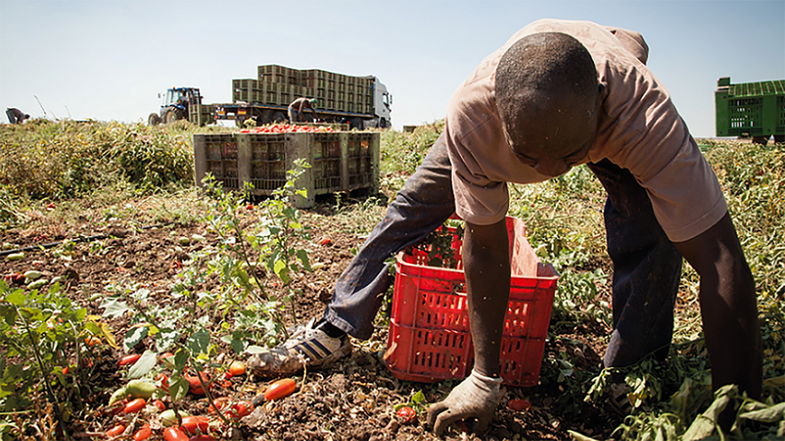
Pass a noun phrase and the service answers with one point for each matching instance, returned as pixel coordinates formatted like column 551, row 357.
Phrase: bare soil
column 353, row 399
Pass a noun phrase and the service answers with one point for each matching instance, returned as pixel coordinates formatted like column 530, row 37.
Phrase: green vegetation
column 102, row 166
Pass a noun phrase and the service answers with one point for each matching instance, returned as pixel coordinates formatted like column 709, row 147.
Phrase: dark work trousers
column 646, row 273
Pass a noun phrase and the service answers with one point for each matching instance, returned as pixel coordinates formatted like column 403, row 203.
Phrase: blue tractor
column 176, row 104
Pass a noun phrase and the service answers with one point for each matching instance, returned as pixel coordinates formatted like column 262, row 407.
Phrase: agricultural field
column 130, row 299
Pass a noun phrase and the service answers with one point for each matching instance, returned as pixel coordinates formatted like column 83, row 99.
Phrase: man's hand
column 476, row 397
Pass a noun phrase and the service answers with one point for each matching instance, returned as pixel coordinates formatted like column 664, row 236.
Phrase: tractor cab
column 181, row 97
column 175, row 104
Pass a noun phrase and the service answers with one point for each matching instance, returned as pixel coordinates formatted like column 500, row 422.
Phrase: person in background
column 298, row 108
column 16, row 116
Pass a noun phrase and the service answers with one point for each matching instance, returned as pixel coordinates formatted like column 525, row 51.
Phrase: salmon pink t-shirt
column 639, row 130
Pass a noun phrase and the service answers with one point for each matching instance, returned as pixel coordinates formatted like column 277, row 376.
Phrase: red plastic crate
column 429, row 338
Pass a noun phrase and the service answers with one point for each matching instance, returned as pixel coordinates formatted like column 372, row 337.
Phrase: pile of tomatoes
column 288, row 128
column 135, row 397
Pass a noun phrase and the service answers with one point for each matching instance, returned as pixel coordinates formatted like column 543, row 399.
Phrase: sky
column 109, row 59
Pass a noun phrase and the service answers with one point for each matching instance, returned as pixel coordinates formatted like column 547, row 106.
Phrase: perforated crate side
column 267, row 161
column 434, row 299
column 217, row 155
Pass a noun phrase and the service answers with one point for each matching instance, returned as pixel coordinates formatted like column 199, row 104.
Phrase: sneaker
column 307, row 346
column 618, row 399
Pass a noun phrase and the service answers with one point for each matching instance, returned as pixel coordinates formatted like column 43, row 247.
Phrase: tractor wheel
column 153, row 119
column 762, row 140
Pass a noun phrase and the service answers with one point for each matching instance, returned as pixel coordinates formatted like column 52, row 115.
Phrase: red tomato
column 192, row 424
column 134, row 406
column 280, row 389
column 129, row 359
column 160, row 405
column 241, row 409
column 406, row 414
column 518, row 404
column 65, row 370
column 220, row 403
column 164, row 381
column 194, row 385
column 237, row 368
column 175, row 434
column 326, row 241
column 92, row 341
column 115, row 431
column 143, row 433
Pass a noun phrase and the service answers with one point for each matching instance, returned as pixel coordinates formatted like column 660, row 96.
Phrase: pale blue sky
column 107, row 60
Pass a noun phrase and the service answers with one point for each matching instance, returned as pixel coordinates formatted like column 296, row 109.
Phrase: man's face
column 553, row 137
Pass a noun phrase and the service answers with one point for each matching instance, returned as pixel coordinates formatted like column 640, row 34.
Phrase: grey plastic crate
column 340, row 161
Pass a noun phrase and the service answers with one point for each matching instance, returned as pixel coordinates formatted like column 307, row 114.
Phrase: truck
column 751, row 110
column 360, row 101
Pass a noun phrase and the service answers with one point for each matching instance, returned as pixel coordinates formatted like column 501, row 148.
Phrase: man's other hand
column 476, row 397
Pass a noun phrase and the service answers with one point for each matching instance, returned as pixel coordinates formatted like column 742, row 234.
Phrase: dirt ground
column 351, row 400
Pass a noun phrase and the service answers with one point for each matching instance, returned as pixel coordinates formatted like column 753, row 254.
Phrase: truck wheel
column 383, row 123
column 153, row 119
column 279, row 117
column 779, row 139
column 762, row 140
column 356, row 123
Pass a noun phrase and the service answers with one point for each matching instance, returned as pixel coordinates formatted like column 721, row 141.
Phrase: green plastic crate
column 750, row 109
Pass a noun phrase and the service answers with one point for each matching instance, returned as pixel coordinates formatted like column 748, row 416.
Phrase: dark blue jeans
column 647, row 267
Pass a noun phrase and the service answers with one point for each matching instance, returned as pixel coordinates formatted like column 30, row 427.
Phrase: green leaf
column 303, row 256
column 114, row 308
column 199, row 342
column 134, row 336
column 16, row 297
column 165, row 339
column 8, row 313
column 144, row 365
column 281, row 270
column 178, row 388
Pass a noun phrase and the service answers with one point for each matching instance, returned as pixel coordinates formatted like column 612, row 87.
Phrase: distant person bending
column 298, row 107
column 16, row 116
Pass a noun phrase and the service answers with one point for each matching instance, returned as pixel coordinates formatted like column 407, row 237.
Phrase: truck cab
column 382, row 104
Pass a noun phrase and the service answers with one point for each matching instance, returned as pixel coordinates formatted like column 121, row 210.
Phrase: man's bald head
column 548, row 96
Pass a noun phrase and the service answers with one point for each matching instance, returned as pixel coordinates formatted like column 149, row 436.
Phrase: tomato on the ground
column 280, row 389
column 194, row 424
column 143, row 433
column 129, row 359
column 175, row 434
column 115, row 431
column 134, row 406
column 406, row 414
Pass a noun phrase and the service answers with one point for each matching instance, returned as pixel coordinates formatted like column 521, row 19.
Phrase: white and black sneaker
column 308, row 346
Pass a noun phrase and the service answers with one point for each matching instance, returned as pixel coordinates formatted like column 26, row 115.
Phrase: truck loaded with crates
column 751, row 110
column 360, row 101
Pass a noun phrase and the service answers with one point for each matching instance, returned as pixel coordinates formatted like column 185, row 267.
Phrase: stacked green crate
column 750, row 109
